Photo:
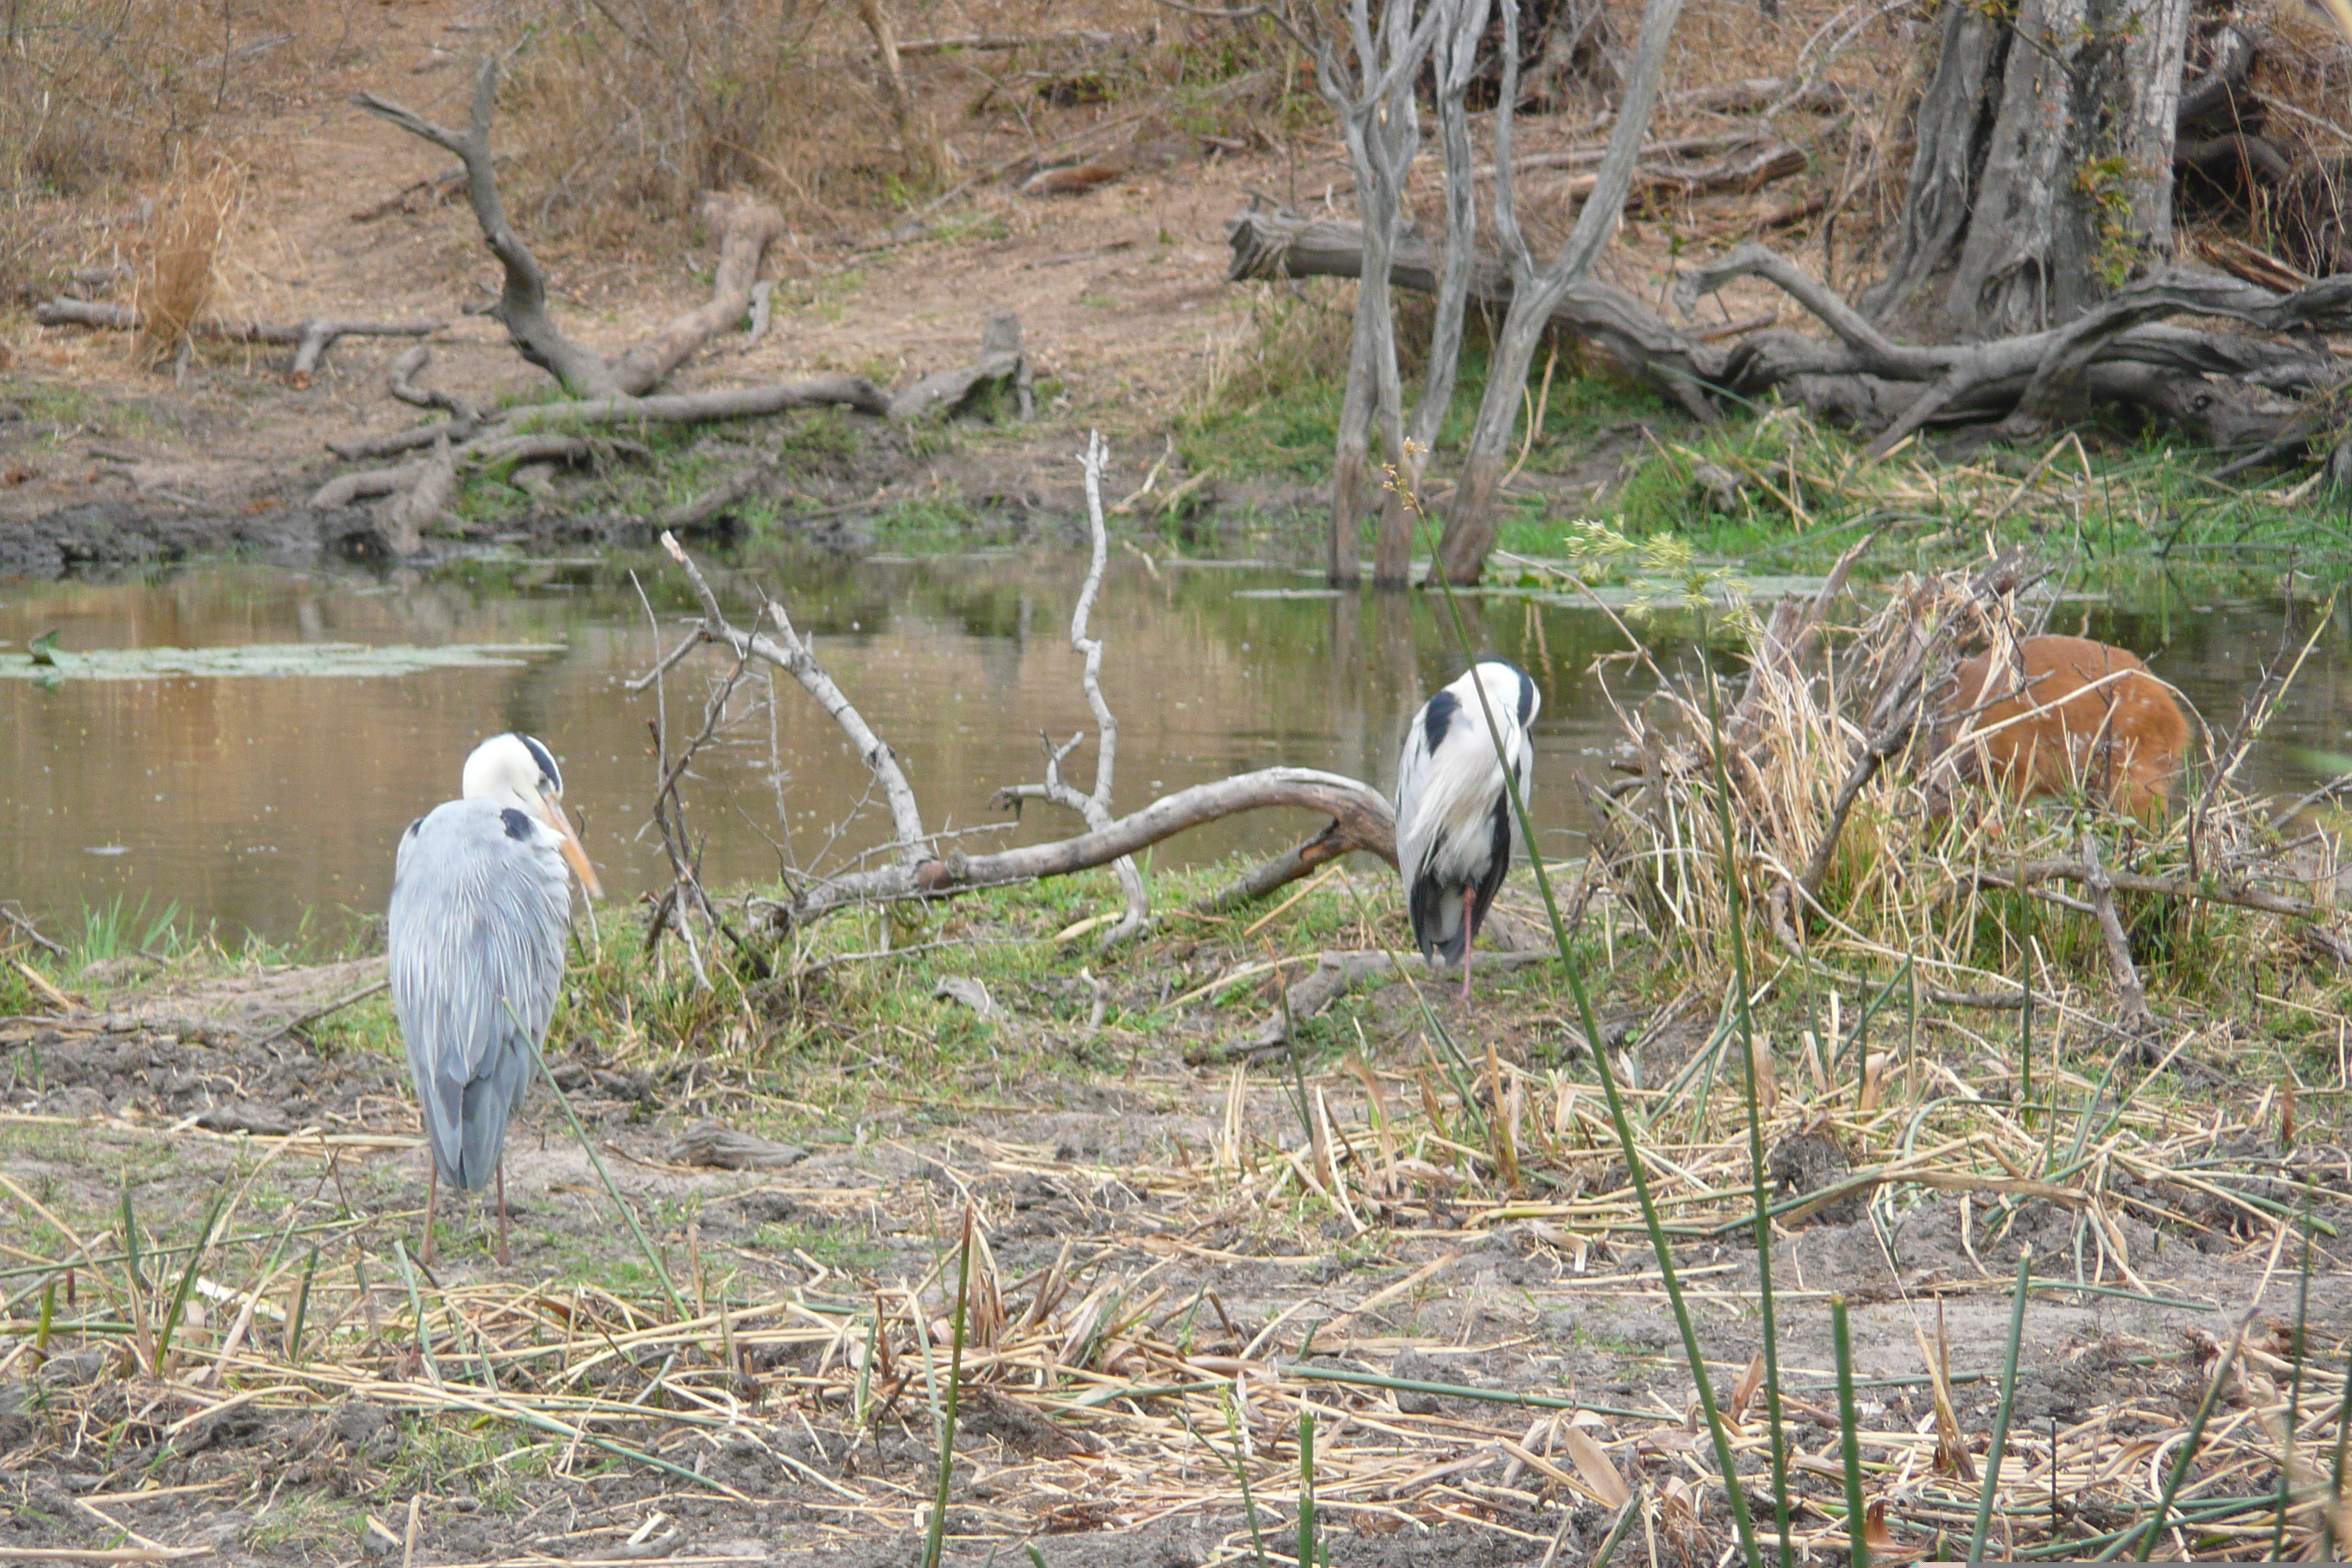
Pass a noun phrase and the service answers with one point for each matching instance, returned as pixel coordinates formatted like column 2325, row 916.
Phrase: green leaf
column 44, row 648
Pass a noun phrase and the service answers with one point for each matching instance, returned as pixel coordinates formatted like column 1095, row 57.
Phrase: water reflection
column 256, row 802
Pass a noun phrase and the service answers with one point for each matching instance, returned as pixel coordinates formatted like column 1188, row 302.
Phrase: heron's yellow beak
column 574, row 851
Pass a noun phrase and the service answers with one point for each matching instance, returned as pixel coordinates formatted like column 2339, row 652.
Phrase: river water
column 263, row 790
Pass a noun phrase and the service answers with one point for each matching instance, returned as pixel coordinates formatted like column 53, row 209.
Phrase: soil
column 164, row 1092
column 1120, row 290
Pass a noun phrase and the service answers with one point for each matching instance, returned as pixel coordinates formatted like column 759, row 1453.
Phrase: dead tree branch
column 1093, row 808
column 403, row 385
column 686, row 408
column 2227, row 389
column 1361, row 818
column 522, row 307
column 747, row 226
column 1363, row 815
column 788, row 653
column 311, row 338
column 2137, row 1018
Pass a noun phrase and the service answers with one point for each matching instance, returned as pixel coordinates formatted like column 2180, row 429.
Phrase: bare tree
column 1373, row 99
column 1537, row 291
column 1455, row 54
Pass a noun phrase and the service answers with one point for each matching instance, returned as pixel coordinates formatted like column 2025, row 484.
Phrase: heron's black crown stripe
column 546, row 761
column 1436, row 717
column 412, row 827
column 518, row 825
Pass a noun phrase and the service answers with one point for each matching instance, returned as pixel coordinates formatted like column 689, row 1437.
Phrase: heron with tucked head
column 1453, row 809
column 481, row 905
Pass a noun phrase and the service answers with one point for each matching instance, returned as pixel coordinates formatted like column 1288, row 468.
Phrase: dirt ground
column 1103, row 1203
column 1120, row 292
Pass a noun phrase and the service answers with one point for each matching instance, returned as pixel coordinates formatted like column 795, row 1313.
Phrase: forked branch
column 788, row 653
column 1093, row 808
column 522, row 307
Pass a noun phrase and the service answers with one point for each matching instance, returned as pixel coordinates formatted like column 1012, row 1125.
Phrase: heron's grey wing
column 479, row 918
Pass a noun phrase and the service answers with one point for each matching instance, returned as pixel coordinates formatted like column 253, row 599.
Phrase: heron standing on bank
column 1453, row 810
column 481, row 905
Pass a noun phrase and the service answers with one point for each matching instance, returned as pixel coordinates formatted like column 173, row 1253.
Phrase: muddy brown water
column 261, row 801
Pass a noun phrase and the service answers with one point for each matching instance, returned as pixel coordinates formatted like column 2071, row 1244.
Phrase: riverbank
column 1437, row 1234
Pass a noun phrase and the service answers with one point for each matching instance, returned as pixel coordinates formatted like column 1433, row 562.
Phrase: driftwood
column 1362, row 819
column 2227, row 389
column 311, row 338
column 403, row 385
column 1001, row 364
column 509, row 451
column 723, row 1148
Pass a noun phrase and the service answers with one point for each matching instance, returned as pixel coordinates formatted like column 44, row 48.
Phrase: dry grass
column 181, row 255
column 1910, row 886
column 628, row 109
column 1133, row 1393
column 101, row 97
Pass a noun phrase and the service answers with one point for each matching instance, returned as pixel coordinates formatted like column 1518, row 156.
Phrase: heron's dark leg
column 432, row 1198
column 503, row 1259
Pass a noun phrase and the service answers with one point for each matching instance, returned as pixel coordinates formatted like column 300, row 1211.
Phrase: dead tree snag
column 522, row 307
column 1537, row 291
column 1373, row 99
column 1092, row 808
column 746, row 226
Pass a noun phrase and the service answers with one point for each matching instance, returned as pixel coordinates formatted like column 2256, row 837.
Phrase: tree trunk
column 1374, row 104
column 2072, row 178
column 1537, row 291
column 1343, row 564
column 1471, row 521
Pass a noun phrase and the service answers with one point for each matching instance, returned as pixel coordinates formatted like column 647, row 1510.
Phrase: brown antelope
column 2062, row 713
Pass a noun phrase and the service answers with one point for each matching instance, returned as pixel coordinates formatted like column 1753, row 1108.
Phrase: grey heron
column 481, row 905
column 1453, row 812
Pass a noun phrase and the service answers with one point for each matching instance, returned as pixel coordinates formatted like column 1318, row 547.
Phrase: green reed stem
column 935, row 1540
column 2025, row 985
column 1617, row 1531
column 2336, row 1475
column 1736, row 889
column 2008, row 1403
column 417, row 1305
column 1857, row 1527
column 1617, row 1116
column 1306, row 1488
column 187, row 1281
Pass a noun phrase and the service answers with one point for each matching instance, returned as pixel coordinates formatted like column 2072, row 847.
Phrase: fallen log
column 686, row 407
column 2229, row 389
column 1001, row 364
column 311, row 339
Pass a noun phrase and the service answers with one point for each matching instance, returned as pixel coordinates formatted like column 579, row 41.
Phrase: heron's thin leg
column 1465, row 974
column 503, row 1259
column 432, row 1195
